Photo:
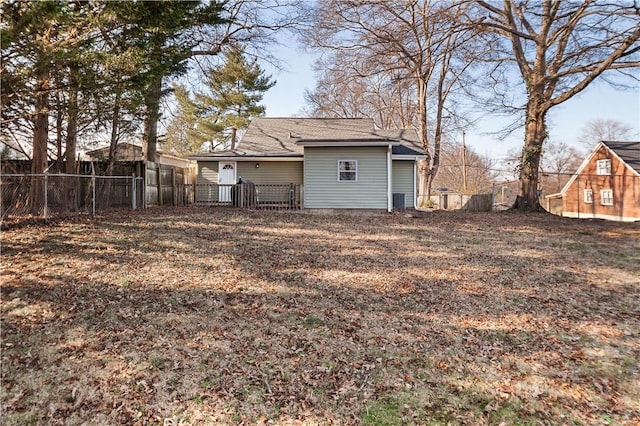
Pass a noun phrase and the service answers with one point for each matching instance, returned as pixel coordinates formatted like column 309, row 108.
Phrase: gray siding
column 271, row 172
column 321, row 186
column 403, row 180
column 207, row 174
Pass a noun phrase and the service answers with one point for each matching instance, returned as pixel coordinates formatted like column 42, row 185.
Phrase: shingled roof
column 629, row 152
column 284, row 137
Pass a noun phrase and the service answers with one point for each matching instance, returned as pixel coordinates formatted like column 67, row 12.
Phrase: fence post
column 145, row 180
column 93, row 189
column 46, row 195
column 134, row 193
column 493, row 195
column 159, row 177
column 301, row 195
column 93, row 198
column 174, row 194
column 291, row 195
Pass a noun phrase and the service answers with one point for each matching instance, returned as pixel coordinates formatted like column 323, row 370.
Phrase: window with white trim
column 606, row 197
column 347, row 170
column 603, row 167
column 588, row 195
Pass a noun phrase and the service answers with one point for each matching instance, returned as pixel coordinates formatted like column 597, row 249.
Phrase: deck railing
column 250, row 195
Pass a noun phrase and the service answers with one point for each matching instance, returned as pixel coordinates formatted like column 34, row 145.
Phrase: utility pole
column 464, row 164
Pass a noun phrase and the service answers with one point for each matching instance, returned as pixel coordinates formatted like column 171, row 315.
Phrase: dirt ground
column 219, row 316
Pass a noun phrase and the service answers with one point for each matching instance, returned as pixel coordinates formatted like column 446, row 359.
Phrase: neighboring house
column 127, row 151
column 605, row 186
column 341, row 163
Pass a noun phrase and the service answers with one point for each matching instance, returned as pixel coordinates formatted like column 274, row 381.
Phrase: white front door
column 226, row 176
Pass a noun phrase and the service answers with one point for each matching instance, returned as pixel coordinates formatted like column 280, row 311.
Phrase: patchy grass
column 218, row 316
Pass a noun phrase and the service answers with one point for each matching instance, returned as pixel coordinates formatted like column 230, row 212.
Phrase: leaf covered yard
column 219, row 316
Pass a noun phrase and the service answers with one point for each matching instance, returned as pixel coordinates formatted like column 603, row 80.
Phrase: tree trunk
column 72, row 132
column 424, row 167
column 437, row 143
column 152, row 115
column 59, row 131
column 105, row 196
column 535, row 135
column 40, row 139
column 428, row 182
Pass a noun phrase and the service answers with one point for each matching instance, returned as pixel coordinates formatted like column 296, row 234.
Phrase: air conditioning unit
column 398, row 201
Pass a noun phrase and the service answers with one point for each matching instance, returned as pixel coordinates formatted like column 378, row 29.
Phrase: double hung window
column 588, row 196
column 603, row 167
column 347, row 170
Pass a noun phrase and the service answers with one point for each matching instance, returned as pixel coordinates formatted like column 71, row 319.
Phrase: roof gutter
column 415, row 185
column 333, row 142
column 245, row 158
column 408, row 157
column 389, row 182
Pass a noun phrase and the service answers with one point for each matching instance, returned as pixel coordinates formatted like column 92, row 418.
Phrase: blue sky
column 565, row 121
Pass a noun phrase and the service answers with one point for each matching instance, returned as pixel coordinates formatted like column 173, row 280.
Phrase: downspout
column 415, row 187
column 389, row 195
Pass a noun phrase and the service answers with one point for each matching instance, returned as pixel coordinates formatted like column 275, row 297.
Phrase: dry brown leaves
column 219, row 316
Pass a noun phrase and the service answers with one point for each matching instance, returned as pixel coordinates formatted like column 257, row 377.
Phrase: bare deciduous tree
column 463, row 170
column 603, row 129
column 559, row 161
column 340, row 92
column 420, row 42
column 559, row 48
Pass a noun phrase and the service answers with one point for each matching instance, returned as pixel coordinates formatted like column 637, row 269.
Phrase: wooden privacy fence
column 468, row 202
column 168, row 185
column 250, row 195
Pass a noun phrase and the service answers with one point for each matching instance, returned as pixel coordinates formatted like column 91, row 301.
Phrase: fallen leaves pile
column 220, row 316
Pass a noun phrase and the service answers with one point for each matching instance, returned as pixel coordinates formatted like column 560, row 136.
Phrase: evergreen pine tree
column 236, row 90
column 232, row 97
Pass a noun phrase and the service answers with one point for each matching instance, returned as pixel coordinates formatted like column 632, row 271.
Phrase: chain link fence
column 47, row 195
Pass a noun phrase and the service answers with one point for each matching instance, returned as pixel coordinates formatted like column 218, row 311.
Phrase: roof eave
column 316, row 143
column 556, row 195
column 604, row 143
column 408, row 157
column 296, row 157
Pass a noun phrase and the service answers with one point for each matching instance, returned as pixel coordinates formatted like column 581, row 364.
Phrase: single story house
column 338, row 163
column 605, row 186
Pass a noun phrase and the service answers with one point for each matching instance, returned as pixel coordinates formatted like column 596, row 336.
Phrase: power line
column 493, row 169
